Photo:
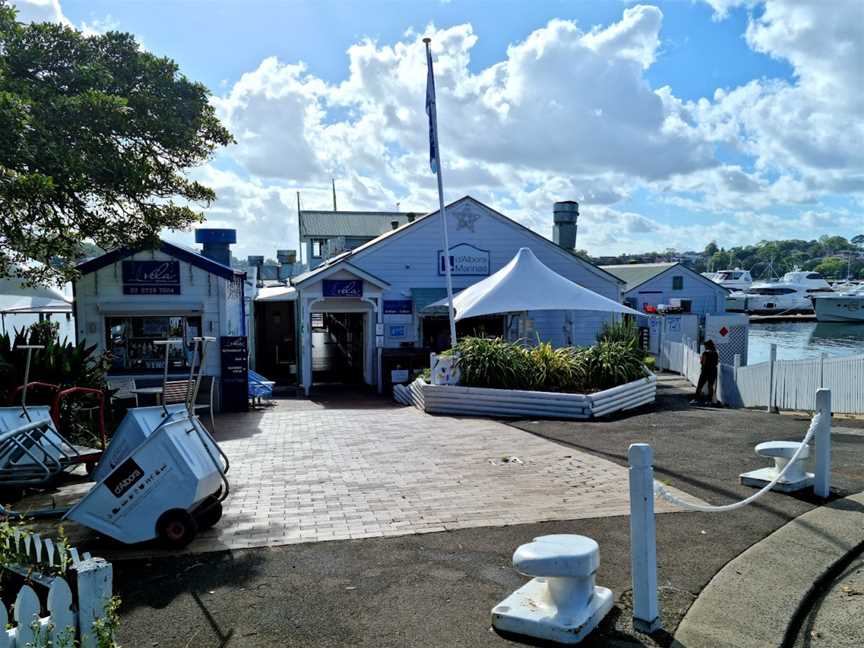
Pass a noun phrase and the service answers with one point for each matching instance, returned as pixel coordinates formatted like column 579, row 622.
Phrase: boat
column 845, row 306
column 794, row 293
column 737, row 279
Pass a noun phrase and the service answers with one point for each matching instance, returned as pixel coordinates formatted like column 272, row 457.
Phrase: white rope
column 660, row 491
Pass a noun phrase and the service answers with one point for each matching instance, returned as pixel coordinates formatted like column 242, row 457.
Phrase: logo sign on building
column 465, row 260
column 342, row 287
column 398, row 307
column 398, row 331
column 151, row 277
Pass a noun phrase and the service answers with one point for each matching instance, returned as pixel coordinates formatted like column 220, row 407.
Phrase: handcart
column 163, row 475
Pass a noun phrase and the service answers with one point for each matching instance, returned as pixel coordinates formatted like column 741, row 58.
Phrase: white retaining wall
column 457, row 399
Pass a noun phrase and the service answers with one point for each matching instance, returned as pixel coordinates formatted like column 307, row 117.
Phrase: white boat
column 846, row 306
column 794, row 293
column 736, row 279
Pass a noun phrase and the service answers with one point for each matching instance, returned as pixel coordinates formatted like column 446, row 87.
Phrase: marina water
column 798, row 340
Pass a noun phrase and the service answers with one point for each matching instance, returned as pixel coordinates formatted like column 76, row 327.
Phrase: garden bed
column 515, row 403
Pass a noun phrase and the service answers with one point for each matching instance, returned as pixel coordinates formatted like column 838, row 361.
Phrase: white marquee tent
column 525, row 284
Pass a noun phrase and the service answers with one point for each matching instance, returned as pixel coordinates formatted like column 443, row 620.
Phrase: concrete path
column 308, row 472
column 750, row 602
column 834, row 620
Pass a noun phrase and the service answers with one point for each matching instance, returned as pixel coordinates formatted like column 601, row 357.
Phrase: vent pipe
column 565, row 216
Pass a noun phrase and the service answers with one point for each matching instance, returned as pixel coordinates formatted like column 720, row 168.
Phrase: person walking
column 709, row 360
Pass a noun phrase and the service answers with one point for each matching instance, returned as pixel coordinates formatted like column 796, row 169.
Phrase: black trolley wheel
column 176, row 528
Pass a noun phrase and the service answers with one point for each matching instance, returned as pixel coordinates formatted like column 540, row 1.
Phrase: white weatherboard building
column 372, row 302
column 126, row 300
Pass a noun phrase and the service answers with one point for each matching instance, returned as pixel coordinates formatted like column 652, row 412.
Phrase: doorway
column 276, row 341
column 338, row 349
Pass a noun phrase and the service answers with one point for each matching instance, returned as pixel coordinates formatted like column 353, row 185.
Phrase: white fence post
column 94, row 593
column 772, row 358
column 822, row 369
column 643, row 539
column 822, row 481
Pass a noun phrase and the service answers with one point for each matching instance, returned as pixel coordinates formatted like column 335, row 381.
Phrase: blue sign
column 398, row 331
column 151, row 277
column 465, row 260
column 342, row 287
column 398, row 307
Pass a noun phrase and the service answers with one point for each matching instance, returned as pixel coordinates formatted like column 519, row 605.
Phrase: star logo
column 466, row 219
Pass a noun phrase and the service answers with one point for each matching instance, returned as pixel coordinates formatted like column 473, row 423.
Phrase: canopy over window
column 525, row 284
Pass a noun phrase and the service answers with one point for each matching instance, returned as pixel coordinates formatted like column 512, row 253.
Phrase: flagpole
column 433, row 120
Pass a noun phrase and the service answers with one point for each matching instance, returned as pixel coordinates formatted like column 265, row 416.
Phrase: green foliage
column 95, row 138
column 106, row 627
column 623, row 330
column 499, row 364
column 59, row 363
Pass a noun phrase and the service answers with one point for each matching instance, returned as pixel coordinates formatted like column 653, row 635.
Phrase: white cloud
column 40, row 11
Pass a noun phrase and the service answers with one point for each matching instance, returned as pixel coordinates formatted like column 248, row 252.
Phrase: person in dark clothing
column 708, row 375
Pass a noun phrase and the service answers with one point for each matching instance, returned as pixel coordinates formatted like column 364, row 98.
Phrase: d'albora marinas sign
column 465, row 259
column 151, row 277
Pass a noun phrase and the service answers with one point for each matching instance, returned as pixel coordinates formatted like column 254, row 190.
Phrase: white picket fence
column 785, row 384
column 69, row 623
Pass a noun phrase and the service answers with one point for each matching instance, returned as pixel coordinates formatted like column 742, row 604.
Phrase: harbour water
column 797, row 340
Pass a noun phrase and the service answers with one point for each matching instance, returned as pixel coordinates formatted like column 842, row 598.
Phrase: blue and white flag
column 430, row 110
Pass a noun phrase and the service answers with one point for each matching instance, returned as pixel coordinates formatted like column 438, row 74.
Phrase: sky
column 672, row 123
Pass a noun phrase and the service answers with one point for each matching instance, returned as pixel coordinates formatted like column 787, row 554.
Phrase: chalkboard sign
column 151, row 277
column 235, row 375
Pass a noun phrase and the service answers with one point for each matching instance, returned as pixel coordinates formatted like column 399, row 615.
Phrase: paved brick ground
column 304, row 472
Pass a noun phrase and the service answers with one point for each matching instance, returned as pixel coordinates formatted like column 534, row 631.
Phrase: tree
column 858, row 241
column 711, row 249
column 95, row 137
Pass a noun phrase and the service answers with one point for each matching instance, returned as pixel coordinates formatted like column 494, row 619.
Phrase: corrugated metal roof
column 328, row 224
column 635, row 274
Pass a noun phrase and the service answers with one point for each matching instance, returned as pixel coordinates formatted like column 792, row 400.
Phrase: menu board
column 234, row 355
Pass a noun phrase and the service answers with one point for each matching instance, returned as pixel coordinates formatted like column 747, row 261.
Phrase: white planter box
column 513, row 403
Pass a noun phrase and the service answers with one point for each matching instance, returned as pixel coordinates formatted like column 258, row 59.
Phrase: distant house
column 324, row 234
column 648, row 285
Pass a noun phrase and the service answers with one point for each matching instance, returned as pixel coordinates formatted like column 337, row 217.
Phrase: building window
column 130, row 341
column 677, row 283
column 318, row 248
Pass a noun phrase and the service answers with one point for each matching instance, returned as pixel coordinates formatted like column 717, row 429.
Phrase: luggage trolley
column 163, row 475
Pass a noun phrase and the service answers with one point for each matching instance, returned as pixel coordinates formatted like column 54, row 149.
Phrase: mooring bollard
column 822, row 479
column 643, row 539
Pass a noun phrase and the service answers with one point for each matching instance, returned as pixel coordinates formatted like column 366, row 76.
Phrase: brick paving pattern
column 302, row 472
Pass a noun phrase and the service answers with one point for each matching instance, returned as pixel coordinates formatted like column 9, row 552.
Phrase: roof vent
column 216, row 243
column 411, row 217
column 565, row 215
column 394, row 224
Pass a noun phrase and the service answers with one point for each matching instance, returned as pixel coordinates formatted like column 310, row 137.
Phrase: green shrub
column 497, row 363
column 623, row 330
column 59, row 363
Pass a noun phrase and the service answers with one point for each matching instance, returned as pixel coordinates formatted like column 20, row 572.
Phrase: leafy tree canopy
column 95, row 136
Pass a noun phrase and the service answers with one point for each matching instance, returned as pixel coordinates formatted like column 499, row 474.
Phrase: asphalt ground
column 438, row 589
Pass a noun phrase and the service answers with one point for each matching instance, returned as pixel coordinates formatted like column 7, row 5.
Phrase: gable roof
column 403, row 229
column 330, row 224
column 322, row 272
column 636, row 274
column 190, row 257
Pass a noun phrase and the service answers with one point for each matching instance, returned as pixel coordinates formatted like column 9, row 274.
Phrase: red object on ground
column 649, row 308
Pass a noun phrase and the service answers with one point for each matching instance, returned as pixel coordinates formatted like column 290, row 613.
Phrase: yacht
column 794, row 293
column 842, row 306
column 734, row 280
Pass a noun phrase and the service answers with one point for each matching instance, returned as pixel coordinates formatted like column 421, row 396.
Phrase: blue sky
column 673, row 123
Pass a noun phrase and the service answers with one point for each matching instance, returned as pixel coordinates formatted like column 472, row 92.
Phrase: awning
column 277, row 294
column 16, row 298
column 525, row 284
column 158, row 307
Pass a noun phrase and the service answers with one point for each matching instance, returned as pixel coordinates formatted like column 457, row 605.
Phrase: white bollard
column 822, row 478
column 643, row 539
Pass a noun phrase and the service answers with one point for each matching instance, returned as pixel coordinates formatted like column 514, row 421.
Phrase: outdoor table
column 153, row 391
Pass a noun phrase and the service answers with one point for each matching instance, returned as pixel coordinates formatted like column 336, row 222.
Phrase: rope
column 660, row 491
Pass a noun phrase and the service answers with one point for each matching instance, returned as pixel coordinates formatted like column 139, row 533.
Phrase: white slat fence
column 68, row 623
column 795, row 382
